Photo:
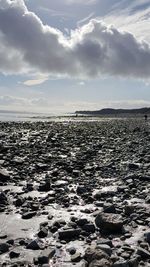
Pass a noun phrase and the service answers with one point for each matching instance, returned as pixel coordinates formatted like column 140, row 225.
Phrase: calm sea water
column 16, row 116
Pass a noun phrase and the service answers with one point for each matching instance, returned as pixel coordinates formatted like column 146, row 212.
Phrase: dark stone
column 4, row 175
column 69, row 234
column 76, row 257
column 147, row 237
column 44, row 187
column 4, row 247
column 109, row 223
column 35, row 245
column 145, row 254
column 3, row 198
column 82, row 222
column 81, row 190
column 14, row 254
column 89, row 227
column 28, row 215
column 43, row 232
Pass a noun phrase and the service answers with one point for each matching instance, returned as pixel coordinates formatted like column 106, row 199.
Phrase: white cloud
column 134, row 17
column 82, row 83
column 82, row 2
column 36, row 81
column 91, row 51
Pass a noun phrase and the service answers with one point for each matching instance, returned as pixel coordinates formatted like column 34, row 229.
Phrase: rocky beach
column 75, row 193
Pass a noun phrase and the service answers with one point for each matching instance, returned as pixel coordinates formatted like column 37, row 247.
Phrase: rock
column 129, row 209
column 121, row 264
column 14, row 254
column 4, row 247
column 35, row 245
column 72, row 250
column 28, row 215
column 133, row 262
column 105, row 248
column 103, row 241
column 147, row 237
column 109, row 208
column 81, row 189
column 69, row 234
column 43, row 233
column 46, row 255
column 100, row 263
column 44, row 187
column 133, row 165
column 4, row 175
column 89, row 227
column 43, row 260
column 145, row 254
column 3, row 198
column 19, row 201
column 92, row 254
column 109, row 223
column 82, row 221
column 76, row 257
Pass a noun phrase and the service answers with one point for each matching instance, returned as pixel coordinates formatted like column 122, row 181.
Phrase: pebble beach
column 75, row 193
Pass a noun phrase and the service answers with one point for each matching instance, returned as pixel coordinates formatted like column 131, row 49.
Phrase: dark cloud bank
column 93, row 50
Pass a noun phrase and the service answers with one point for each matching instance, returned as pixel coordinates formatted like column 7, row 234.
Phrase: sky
column 67, row 55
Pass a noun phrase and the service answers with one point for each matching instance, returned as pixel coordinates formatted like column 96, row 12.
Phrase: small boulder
column 109, row 222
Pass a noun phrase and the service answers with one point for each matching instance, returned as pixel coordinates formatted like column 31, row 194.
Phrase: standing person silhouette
column 145, row 116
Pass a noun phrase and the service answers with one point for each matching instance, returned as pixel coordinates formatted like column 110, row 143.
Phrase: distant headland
column 111, row 111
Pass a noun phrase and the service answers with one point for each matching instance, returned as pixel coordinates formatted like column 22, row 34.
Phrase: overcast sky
column 67, row 55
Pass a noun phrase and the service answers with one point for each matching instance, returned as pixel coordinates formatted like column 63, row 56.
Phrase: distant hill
column 111, row 111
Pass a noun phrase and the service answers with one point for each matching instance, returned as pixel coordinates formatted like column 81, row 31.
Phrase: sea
column 23, row 116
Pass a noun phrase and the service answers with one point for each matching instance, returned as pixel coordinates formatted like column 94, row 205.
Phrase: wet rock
column 28, row 215
column 76, row 257
column 69, row 234
column 106, row 248
column 72, row 250
column 100, row 263
column 14, row 254
column 43, row 233
column 109, row 223
column 145, row 254
column 89, row 227
column 109, row 208
column 19, row 201
column 45, row 256
column 44, row 186
column 3, row 198
column 4, row 175
column 103, row 241
column 147, row 237
column 4, row 247
column 122, row 263
column 81, row 190
column 35, row 245
column 82, row 221
column 129, row 209
column 92, row 254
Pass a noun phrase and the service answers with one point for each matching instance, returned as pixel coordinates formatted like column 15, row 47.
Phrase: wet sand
column 75, row 193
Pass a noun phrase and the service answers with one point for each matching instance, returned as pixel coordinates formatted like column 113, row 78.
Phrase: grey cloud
column 91, row 51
